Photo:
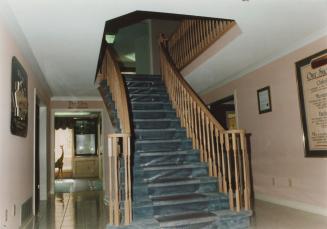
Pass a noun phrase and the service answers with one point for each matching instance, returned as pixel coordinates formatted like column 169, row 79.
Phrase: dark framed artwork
column 311, row 75
column 264, row 100
column 19, row 99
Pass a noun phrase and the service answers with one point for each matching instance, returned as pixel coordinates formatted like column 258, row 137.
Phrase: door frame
column 52, row 140
column 227, row 98
column 42, row 149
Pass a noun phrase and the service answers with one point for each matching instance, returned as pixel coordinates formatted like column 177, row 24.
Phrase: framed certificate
column 312, row 87
column 264, row 100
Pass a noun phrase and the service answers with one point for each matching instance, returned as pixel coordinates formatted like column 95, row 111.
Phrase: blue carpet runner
column 171, row 187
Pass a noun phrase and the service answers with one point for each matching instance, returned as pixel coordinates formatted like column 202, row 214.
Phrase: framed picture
column 19, row 99
column 311, row 75
column 264, row 100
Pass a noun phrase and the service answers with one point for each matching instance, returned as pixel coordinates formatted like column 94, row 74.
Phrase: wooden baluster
column 237, row 191
column 223, row 162
column 111, row 178
column 221, row 27
column 115, row 183
column 206, row 33
column 219, row 155
column 196, row 126
column 193, row 119
column 204, row 138
column 128, row 203
column 190, row 106
column 212, row 31
column 230, row 190
column 246, row 173
column 208, row 147
column 212, row 132
column 200, row 134
column 197, row 36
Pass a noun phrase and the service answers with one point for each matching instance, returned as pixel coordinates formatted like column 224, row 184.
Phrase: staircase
column 171, row 187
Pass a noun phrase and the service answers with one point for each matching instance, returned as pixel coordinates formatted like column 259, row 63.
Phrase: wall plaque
column 19, row 99
column 264, row 100
column 312, row 85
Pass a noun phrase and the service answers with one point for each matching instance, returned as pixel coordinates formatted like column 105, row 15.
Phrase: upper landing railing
column 193, row 37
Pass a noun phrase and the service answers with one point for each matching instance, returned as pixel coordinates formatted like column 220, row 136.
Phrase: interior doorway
column 224, row 110
column 77, row 151
column 37, row 156
column 40, row 152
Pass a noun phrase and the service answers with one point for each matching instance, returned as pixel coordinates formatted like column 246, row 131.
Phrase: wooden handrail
column 223, row 150
column 181, row 79
column 119, row 144
column 193, row 37
column 111, row 72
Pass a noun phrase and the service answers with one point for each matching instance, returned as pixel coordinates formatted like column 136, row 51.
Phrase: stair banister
column 223, row 150
column 194, row 36
column 119, row 144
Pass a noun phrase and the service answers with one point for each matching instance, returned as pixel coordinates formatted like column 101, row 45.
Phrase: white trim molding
column 292, row 204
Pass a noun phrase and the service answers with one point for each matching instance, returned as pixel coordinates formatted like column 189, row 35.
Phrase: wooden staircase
column 171, row 164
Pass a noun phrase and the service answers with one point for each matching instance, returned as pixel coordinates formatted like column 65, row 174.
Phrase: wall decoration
column 312, row 85
column 19, row 99
column 264, row 100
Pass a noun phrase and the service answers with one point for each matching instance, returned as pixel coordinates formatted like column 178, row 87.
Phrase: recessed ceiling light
column 110, row 38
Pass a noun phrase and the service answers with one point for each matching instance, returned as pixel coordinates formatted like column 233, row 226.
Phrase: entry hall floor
column 76, row 210
column 86, row 210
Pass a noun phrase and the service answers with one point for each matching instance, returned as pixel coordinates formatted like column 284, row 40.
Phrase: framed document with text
column 264, row 100
column 312, row 84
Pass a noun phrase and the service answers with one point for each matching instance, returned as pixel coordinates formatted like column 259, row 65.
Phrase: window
column 86, row 137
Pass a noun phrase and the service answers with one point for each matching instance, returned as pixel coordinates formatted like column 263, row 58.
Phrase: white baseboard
column 292, row 204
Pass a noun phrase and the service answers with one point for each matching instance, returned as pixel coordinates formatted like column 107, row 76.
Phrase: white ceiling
column 65, row 36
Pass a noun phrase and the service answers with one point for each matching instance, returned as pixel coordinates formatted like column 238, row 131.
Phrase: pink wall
column 16, row 156
column 277, row 147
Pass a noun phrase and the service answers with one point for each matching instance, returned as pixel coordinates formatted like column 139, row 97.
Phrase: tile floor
column 80, row 210
column 85, row 210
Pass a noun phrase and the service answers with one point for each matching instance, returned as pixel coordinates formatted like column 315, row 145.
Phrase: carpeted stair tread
column 173, row 198
column 173, row 166
column 140, row 141
column 185, row 218
column 163, row 153
column 180, row 181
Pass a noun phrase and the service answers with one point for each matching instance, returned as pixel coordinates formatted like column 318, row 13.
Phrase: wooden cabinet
column 86, row 167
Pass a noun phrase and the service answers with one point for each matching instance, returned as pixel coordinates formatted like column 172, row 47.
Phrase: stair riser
column 153, row 115
column 140, row 213
column 163, row 146
column 204, row 205
column 183, row 189
column 151, row 106
column 160, row 160
column 142, row 78
column 149, row 98
column 153, row 135
column 156, row 125
column 179, row 208
column 143, row 176
column 205, row 225
column 144, row 84
column 150, row 90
